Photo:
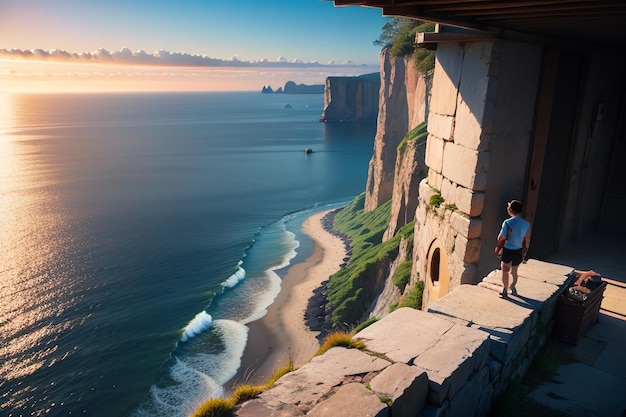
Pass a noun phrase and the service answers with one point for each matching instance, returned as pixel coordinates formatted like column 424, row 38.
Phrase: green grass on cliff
column 402, row 275
column 352, row 289
column 419, row 134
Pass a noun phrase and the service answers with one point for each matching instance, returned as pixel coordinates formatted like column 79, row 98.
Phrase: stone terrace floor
column 593, row 384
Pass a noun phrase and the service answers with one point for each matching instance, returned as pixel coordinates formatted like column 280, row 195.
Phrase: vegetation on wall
column 436, row 200
column 351, row 290
column 398, row 34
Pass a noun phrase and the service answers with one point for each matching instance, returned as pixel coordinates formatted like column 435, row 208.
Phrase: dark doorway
column 555, row 173
column 615, row 197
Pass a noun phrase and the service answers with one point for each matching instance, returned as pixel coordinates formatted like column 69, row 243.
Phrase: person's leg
column 514, row 281
column 505, row 277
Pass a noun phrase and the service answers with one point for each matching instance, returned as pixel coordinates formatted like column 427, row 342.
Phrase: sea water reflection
column 37, row 287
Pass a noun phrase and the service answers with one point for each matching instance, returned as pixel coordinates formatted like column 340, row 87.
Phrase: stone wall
column 453, row 360
column 479, row 132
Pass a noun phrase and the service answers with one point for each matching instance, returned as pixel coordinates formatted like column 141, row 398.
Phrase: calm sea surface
column 139, row 233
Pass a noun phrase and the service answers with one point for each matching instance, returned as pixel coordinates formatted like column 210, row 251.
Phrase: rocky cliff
column 409, row 170
column 396, row 169
column 351, row 99
column 293, row 88
column 403, row 106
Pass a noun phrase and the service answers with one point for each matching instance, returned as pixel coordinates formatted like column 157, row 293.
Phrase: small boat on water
column 308, row 150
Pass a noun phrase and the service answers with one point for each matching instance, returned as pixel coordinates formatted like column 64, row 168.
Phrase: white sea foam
column 197, row 325
column 264, row 300
column 235, row 278
column 195, row 376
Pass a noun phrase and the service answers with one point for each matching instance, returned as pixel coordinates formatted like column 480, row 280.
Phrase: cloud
column 159, row 58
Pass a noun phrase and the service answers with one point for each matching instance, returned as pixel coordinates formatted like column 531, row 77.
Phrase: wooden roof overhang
column 567, row 21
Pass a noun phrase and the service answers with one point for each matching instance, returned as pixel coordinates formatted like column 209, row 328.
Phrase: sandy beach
column 283, row 332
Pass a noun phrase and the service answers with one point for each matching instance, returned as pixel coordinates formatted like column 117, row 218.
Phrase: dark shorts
column 513, row 257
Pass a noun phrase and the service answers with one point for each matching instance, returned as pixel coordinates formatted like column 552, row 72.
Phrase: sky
column 203, row 45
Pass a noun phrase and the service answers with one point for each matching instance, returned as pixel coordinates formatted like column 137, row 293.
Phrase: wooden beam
column 446, row 37
column 540, row 138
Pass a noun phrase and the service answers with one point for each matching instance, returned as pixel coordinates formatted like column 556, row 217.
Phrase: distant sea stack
column 293, row 88
column 351, row 99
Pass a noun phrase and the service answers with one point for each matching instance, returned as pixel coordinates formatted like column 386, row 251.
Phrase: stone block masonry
column 452, row 360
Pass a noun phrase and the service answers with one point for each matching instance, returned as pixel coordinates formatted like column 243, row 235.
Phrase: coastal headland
column 287, row 330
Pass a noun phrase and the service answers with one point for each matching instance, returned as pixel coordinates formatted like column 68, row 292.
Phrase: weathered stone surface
column 474, row 109
column 316, row 379
column 546, row 272
column 441, row 126
column 469, row 227
column 487, row 395
column 434, row 153
column 448, row 191
column 446, row 80
column 507, row 323
column 530, row 288
column 452, row 361
column 406, row 386
column 462, row 165
column 469, row 274
column 351, row 400
column 257, row 408
column 468, row 400
column 468, row 249
column 404, row 334
column 470, row 202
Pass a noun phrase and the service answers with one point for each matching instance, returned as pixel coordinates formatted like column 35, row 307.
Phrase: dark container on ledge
column 575, row 318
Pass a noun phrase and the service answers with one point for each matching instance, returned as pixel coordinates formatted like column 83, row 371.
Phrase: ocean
column 140, row 233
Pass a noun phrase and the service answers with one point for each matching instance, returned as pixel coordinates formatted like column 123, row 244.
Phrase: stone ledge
column 452, row 360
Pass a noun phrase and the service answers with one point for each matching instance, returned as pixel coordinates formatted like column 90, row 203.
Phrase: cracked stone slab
column 315, row 380
column 545, row 272
column 351, row 400
column 257, row 408
column 508, row 322
column 535, row 292
column 453, row 360
column 406, row 386
column 404, row 334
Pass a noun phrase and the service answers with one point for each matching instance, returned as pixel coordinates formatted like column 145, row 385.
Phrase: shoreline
column 287, row 330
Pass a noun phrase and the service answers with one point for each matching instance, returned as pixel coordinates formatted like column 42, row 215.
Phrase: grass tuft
column 244, row 393
column 364, row 324
column 343, row 339
column 215, row 407
column 280, row 372
column 220, row 407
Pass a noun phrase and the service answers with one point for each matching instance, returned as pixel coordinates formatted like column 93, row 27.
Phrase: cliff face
column 293, row 88
column 351, row 99
column 410, row 169
column 403, row 105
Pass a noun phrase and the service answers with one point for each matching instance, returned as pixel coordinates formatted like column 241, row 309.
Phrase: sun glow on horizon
column 51, row 77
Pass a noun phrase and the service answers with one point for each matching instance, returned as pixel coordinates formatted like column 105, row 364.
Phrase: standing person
column 512, row 245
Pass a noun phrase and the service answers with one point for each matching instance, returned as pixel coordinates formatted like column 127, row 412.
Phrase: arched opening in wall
column 437, row 273
column 434, row 267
